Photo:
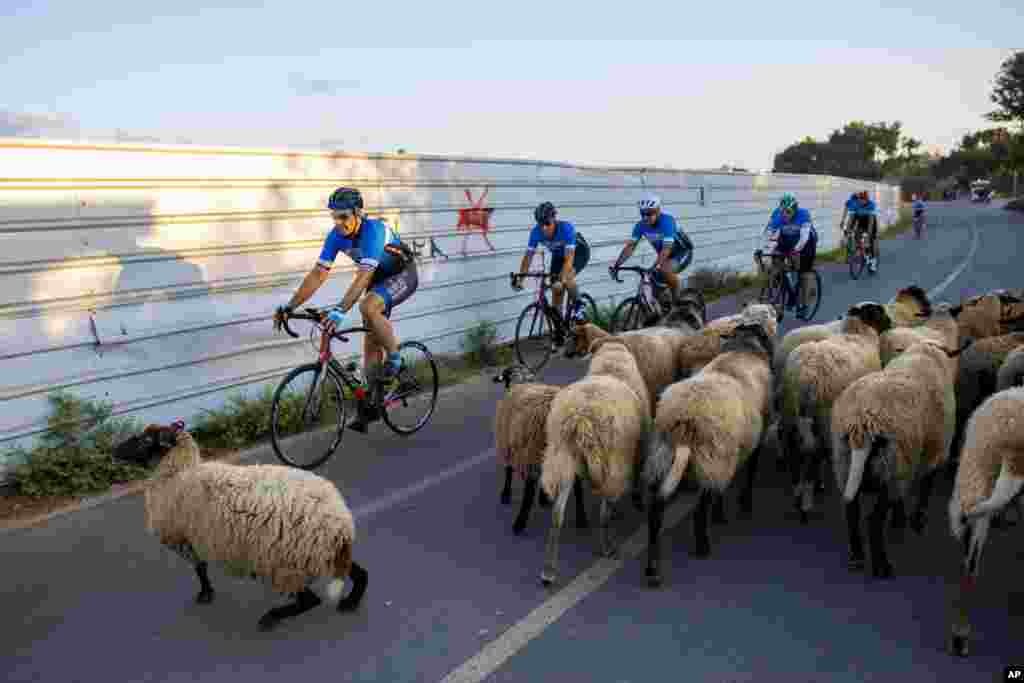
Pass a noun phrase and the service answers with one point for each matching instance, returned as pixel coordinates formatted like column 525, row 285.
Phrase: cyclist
column 570, row 254
column 917, row 202
column 865, row 216
column 673, row 246
column 387, row 274
column 791, row 230
column 848, row 210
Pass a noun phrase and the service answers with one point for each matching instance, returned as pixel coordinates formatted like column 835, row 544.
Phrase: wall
column 147, row 275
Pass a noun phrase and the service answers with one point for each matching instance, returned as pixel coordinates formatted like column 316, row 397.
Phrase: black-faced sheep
column 520, row 439
column 707, row 427
column 990, row 476
column 284, row 525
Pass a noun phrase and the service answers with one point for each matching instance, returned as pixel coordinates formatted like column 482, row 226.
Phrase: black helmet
column 345, row 198
column 545, row 212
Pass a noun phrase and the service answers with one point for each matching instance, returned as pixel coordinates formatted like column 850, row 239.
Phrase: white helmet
column 649, row 201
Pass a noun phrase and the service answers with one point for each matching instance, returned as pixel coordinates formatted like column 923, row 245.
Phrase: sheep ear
column 955, row 311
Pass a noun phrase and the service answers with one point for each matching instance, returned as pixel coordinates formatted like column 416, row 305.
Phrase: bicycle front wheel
column 309, row 401
column 534, row 341
column 410, row 398
column 628, row 315
column 854, row 257
column 813, row 298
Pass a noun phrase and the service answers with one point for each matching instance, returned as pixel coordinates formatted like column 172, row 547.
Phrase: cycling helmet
column 345, row 198
column 545, row 213
column 648, row 202
column 788, row 202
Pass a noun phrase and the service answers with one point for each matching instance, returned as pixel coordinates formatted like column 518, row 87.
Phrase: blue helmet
column 345, row 198
column 545, row 212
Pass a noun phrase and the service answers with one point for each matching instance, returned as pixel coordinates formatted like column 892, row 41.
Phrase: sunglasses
column 343, row 215
column 647, row 213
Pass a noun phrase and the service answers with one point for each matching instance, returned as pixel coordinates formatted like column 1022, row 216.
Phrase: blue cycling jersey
column 564, row 237
column 862, row 209
column 851, row 203
column 664, row 229
column 787, row 236
column 918, row 206
column 374, row 249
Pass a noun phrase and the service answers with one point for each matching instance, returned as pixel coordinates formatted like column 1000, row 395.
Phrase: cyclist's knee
column 372, row 305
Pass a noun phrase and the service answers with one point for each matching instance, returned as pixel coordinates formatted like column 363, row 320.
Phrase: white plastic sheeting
column 147, row 275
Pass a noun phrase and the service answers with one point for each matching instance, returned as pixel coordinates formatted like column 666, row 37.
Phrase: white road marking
column 941, row 287
column 500, row 650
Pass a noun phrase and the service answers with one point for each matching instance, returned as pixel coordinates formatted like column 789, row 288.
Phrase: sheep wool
column 989, row 315
column 519, row 433
column 278, row 523
column 1011, row 372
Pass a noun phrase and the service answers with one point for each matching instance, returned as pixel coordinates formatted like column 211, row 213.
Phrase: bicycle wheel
column 534, row 341
column 308, row 400
column 854, row 257
column 774, row 294
column 628, row 315
column 878, row 256
column 410, row 401
column 813, row 298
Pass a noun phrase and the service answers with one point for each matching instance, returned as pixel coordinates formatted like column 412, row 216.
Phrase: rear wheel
column 410, row 398
column 534, row 340
column 628, row 315
column 854, row 257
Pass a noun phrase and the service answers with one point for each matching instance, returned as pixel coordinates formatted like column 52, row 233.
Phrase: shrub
column 479, row 343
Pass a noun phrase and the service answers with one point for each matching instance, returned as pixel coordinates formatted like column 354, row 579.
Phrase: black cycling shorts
column 580, row 257
column 397, row 287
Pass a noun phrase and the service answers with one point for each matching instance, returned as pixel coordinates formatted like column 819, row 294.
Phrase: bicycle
column 783, row 289
column 334, row 383
column 856, row 251
column 918, row 226
column 627, row 315
column 548, row 327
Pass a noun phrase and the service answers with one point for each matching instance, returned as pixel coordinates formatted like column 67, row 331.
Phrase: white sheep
column 707, row 427
column 698, row 350
column 520, row 438
column 284, row 525
column 816, row 373
column 990, row 476
column 990, row 315
column 595, row 429
column 1011, row 372
column 890, row 430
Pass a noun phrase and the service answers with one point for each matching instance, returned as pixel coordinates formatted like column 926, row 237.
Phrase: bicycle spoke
column 409, row 401
column 307, row 417
column 533, row 341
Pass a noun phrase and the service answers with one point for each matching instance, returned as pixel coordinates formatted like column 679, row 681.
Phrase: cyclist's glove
column 336, row 316
column 517, row 284
column 280, row 315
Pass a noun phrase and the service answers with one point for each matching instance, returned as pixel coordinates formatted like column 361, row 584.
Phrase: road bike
column 918, row 226
column 856, row 250
column 651, row 300
column 406, row 402
column 541, row 327
column 783, row 289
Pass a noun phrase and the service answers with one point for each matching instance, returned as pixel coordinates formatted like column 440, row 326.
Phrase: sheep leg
column 581, row 507
column 305, row 600
column 205, row 587
column 718, row 508
column 855, row 560
column 529, row 494
column 747, row 495
column 655, row 520
column 881, row 568
column 702, row 542
column 899, row 515
column 360, row 578
column 506, row 492
column 543, row 499
column 550, row 571
column 607, row 535
column 919, row 520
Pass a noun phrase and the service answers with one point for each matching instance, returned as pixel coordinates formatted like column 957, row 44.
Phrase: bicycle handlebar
column 514, row 276
column 639, row 270
column 317, row 315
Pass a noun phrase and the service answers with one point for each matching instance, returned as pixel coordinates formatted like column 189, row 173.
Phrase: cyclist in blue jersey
column 386, row 273
column 865, row 217
column 791, row 230
column 672, row 245
column 848, row 210
column 917, row 204
column 570, row 254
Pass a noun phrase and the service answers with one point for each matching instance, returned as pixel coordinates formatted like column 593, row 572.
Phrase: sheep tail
column 558, row 470
column 858, row 459
column 676, row 471
column 1006, row 487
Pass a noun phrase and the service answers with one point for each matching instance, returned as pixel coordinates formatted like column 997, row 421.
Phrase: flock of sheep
column 888, row 396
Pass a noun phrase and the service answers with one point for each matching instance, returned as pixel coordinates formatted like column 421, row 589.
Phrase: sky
column 685, row 85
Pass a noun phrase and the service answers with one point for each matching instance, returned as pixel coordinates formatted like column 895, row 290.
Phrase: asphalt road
column 90, row 597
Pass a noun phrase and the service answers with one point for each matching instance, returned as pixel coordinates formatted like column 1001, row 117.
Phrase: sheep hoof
column 653, row 577
column 506, row 498
column 804, row 518
column 268, row 622
column 546, row 578
column 959, row 646
column 518, row 528
column 701, row 551
column 855, row 564
column 205, row 597
column 883, row 570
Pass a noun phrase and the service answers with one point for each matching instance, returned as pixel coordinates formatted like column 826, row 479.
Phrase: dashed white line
column 941, row 287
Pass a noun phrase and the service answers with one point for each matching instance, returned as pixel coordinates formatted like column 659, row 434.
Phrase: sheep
column 236, row 515
column 941, row 326
column 709, row 426
column 890, row 430
column 910, row 307
column 990, row 476
column 596, row 428
column 520, row 439
column 990, row 315
column 816, row 374
column 698, row 350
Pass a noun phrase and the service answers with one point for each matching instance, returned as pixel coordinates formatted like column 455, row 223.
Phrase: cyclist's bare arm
column 567, row 268
column 627, row 251
column 356, row 289
column 524, row 265
column 313, row 281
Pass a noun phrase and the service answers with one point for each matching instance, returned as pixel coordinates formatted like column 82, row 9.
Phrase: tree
column 1008, row 93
